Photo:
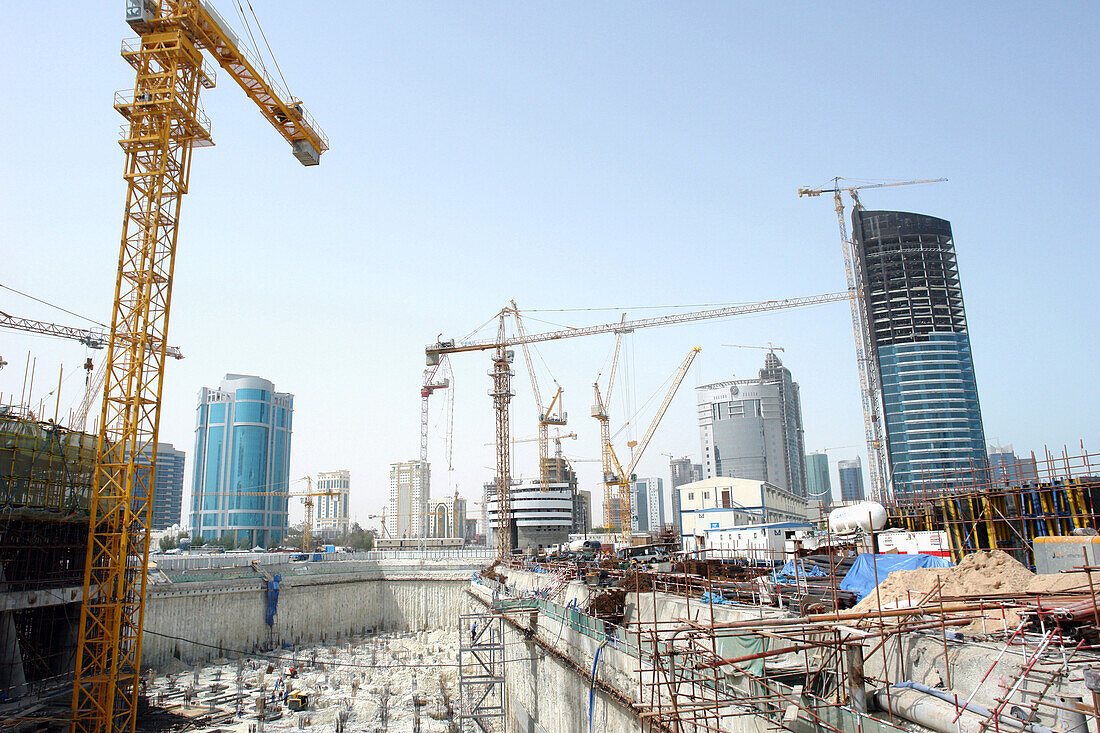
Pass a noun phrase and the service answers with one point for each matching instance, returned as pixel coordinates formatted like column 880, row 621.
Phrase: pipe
column 1070, row 718
column 915, row 707
column 592, row 686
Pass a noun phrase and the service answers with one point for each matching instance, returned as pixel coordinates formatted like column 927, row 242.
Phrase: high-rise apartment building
column 168, row 486
column 331, row 518
column 407, row 511
column 648, row 500
column 752, row 428
column 1008, row 468
column 818, row 484
column 242, row 462
column 910, row 282
column 448, row 517
column 851, row 479
column 683, row 471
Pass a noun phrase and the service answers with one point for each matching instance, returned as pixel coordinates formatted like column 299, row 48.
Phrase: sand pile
column 1062, row 583
column 984, row 573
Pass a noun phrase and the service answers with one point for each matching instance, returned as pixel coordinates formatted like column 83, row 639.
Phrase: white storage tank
column 866, row 515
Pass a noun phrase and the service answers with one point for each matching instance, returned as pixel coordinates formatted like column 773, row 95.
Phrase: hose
column 592, row 686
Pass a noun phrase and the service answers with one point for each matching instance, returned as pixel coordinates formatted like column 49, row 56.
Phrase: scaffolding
column 44, row 466
column 45, row 483
column 1006, row 507
column 481, row 673
column 721, row 654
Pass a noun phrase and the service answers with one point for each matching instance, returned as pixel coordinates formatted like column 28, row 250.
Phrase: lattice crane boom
column 547, row 416
column 451, row 347
column 617, row 485
column 90, row 338
column 165, row 122
column 501, row 372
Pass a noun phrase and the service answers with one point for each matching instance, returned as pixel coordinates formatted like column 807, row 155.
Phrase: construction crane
column 612, row 511
column 306, row 496
column 547, row 416
column 436, row 377
column 385, row 532
column 501, row 372
column 164, row 124
column 617, row 481
column 870, row 393
column 92, row 339
column 769, row 347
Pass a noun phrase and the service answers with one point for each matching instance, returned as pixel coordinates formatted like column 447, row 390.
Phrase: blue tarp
column 861, row 577
column 715, row 598
column 272, row 604
column 787, row 573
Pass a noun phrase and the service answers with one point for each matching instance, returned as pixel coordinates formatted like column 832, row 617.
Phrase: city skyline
column 555, row 121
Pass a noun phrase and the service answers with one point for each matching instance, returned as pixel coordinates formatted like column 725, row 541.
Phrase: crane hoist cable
column 53, row 305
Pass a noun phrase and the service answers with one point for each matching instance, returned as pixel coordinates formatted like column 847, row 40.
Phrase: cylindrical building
column 242, row 462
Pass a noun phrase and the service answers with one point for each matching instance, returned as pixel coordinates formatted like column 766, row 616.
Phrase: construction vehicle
column 870, row 392
column 501, row 373
column 164, row 124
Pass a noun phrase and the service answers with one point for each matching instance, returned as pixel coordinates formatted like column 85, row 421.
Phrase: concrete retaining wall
column 195, row 622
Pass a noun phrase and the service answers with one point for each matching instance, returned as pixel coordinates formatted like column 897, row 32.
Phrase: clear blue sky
column 571, row 155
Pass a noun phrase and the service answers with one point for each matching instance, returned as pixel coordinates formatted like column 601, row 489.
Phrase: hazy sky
column 570, row 155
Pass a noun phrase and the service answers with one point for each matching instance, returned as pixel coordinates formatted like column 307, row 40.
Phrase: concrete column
column 857, row 687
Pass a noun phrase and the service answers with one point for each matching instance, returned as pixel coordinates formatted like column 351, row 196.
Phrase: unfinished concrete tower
column 910, row 280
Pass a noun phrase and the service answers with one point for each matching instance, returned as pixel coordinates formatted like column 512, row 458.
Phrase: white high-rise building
column 648, row 504
column 331, row 517
column 752, row 429
column 407, row 511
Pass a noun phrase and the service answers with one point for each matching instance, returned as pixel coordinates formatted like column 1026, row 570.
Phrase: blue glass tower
column 242, row 462
column 910, row 282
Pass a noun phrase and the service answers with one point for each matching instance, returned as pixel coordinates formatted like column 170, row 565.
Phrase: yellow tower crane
column 547, row 415
column 164, row 123
column 502, row 374
column 870, row 393
column 616, row 480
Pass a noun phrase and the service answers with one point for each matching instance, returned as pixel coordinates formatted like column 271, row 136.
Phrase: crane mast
column 866, row 362
column 165, row 122
column 502, row 394
column 613, row 509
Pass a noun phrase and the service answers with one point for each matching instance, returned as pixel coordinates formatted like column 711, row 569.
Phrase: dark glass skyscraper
column 851, row 479
column 910, row 281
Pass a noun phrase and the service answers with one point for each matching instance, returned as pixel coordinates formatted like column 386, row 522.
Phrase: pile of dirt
column 984, row 573
column 1062, row 583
